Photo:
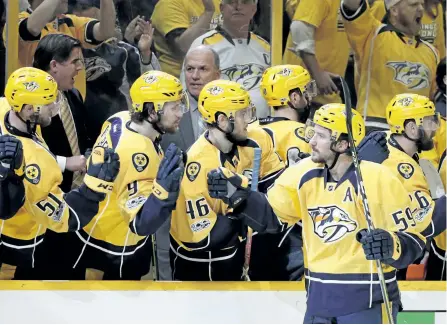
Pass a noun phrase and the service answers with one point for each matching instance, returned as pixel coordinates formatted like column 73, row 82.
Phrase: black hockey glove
column 374, row 147
column 11, row 156
column 103, row 167
column 169, row 176
column 227, row 186
column 380, row 245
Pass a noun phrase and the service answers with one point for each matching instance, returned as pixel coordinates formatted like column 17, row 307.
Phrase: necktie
column 72, row 137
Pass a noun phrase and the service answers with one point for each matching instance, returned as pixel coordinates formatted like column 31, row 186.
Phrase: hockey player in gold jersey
column 32, row 176
column 322, row 192
column 206, row 244
column 288, row 90
column 413, row 122
column 117, row 244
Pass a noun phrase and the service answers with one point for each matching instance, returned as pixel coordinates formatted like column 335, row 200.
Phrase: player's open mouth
column 418, row 20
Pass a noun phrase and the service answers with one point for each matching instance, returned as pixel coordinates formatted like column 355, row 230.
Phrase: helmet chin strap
column 228, row 134
column 30, row 124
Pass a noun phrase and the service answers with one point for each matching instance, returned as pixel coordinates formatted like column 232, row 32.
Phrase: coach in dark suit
column 67, row 137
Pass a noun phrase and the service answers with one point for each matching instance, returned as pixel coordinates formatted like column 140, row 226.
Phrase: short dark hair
column 54, row 47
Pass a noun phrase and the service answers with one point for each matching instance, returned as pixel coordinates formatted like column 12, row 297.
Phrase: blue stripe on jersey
column 332, row 295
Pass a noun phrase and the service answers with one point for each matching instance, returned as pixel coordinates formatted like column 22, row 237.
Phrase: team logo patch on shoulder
column 301, row 133
column 406, row 170
column 140, row 161
column 192, row 170
column 331, row 223
column 32, row 174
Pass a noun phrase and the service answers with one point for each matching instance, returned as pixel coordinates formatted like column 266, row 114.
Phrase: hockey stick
column 154, row 257
column 433, row 179
column 348, row 111
column 254, row 187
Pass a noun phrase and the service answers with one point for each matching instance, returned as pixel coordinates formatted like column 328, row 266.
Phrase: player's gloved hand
column 103, row 167
column 169, row 176
column 374, row 147
column 227, row 186
column 294, row 156
column 380, row 245
column 11, row 156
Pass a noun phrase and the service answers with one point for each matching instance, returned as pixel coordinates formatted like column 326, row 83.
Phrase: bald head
column 202, row 65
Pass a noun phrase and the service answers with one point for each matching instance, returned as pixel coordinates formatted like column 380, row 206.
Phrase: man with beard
column 390, row 54
column 30, row 177
column 116, row 244
column 413, row 123
column 323, row 193
column 206, row 245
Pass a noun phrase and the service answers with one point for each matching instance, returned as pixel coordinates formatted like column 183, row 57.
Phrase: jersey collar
column 271, row 119
column 228, row 37
column 405, row 39
column 396, row 145
column 349, row 176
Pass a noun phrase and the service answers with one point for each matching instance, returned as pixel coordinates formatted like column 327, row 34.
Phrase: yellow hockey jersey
column 113, row 227
column 441, row 240
column 384, row 56
column 339, row 278
column 288, row 137
column 330, row 34
column 198, row 222
column 432, row 29
column 45, row 205
column 170, row 15
column 408, row 171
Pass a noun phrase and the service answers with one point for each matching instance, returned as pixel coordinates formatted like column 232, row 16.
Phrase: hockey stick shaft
column 254, row 187
column 347, row 98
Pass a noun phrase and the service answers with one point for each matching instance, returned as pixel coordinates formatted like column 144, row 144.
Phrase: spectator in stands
column 113, row 66
column 177, row 24
column 318, row 41
column 48, row 16
column 391, row 58
column 243, row 55
column 201, row 66
column 432, row 24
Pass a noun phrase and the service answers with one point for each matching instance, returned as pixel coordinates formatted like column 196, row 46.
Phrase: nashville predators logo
column 192, row 170
column 407, row 101
column 31, row 86
column 331, row 223
column 32, row 174
column 150, row 79
column 413, row 75
column 248, row 75
column 286, row 72
column 216, row 90
column 140, row 161
column 406, row 170
column 95, row 67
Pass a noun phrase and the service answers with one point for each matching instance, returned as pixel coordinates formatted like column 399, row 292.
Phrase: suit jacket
column 56, row 139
